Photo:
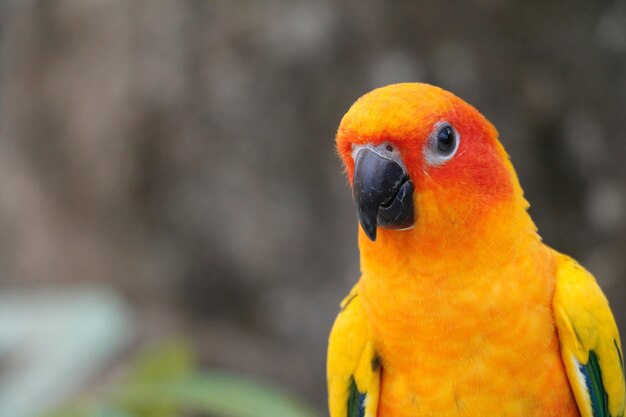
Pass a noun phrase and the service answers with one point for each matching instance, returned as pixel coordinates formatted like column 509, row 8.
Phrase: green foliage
column 164, row 383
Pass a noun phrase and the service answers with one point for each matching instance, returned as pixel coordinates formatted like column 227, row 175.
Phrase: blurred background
column 167, row 172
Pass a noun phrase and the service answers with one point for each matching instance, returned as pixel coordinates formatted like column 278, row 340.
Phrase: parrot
column 460, row 308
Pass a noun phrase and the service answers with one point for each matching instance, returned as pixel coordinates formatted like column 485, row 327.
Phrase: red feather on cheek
column 477, row 173
column 478, row 169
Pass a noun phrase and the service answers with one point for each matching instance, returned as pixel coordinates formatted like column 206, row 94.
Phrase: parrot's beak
column 383, row 193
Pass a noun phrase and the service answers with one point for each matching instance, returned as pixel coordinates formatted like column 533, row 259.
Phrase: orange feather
column 459, row 307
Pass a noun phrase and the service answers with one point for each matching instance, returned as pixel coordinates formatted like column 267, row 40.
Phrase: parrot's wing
column 590, row 343
column 353, row 369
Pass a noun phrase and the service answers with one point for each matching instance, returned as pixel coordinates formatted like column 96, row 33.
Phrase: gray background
column 181, row 152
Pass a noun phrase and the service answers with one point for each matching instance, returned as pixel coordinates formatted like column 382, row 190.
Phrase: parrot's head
column 425, row 166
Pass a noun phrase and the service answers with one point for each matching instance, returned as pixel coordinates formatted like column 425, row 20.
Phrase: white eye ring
column 442, row 144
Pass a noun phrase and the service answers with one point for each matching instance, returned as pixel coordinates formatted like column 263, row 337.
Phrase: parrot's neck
column 450, row 251
column 463, row 293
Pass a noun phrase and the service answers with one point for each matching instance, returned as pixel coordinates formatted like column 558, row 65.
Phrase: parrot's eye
column 442, row 144
column 446, row 140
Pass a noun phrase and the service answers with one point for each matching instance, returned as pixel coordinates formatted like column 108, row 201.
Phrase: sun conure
column 460, row 309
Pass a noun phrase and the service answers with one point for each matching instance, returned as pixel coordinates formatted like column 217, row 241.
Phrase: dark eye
column 442, row 144
column 446, row 139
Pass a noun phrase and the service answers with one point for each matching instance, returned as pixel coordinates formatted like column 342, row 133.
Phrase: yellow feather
column 351, row 355
column 585, row 323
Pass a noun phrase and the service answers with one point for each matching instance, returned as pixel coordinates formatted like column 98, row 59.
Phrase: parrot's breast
column 481, row 344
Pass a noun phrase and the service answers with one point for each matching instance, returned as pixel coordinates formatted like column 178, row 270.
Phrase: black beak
column 383, row 193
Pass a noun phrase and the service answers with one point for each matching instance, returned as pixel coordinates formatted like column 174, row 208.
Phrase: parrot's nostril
column 389, row 148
